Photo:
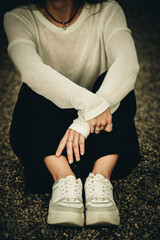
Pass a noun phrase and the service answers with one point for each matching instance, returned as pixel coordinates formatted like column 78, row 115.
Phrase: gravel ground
column 137, row 196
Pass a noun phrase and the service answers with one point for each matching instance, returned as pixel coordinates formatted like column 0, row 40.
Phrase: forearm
column 123, row 68
column 119, row 80
column 42, row 78
column 51, row 84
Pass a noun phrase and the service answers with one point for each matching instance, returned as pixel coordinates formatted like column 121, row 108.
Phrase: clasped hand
column 74, row 141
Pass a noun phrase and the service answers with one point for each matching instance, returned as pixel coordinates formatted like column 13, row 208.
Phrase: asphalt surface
column 137, row 196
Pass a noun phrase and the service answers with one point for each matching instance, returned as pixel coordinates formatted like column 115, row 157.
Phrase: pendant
column 64, row 27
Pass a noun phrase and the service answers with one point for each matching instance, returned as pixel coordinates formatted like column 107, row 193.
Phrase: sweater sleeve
column 80, row 125
column 122, row 59
column 42, row 78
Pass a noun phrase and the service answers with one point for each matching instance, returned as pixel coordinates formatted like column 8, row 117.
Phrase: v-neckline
column 56, row 29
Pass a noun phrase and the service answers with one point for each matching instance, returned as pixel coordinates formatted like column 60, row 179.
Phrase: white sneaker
column 100, row 206
column 66, row 204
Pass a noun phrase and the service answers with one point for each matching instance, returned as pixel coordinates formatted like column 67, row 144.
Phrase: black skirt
column 38, row 125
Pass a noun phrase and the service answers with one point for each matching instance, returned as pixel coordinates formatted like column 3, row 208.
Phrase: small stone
column 146, row 236
column 136, row 226
column 6, row 235
column 118, row 235
column 65, row 234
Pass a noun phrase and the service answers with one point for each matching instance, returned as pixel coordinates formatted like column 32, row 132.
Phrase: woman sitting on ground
column 75, row 111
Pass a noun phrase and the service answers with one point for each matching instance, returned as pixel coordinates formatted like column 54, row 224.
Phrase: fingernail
column 57, row 153
column 82, row 153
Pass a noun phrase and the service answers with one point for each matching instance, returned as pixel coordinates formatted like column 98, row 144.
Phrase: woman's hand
column 101, row 122
column 77, row 141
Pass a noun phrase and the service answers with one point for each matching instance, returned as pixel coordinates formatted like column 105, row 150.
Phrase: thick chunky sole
column 102, row 218
column 66, row 218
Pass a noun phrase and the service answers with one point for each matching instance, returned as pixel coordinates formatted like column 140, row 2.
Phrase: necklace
column 64, row 23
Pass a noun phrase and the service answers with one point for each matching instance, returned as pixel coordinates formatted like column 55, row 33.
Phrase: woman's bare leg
column 105, row 165
column 58, row 166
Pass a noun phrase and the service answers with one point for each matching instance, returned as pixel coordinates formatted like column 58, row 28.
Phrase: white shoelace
column 71, row 190
column 99, row 190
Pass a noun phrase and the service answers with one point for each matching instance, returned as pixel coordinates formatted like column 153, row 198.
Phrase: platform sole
column 102, row 218
column 66, row 218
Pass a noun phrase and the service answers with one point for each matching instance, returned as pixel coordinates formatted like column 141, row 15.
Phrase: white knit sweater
column 63, row 65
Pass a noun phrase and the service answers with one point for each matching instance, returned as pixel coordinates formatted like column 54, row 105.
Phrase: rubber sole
column 101, row 218
column 66, row 218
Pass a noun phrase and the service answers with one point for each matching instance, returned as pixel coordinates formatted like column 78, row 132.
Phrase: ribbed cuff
column 97, row 111
column 84, row 131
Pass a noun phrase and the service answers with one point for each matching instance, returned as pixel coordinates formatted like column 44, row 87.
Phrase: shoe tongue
column 100, row 176
column 70, row 177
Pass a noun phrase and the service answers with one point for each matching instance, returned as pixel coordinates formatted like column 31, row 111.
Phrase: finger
column 97, row 128
column 70, row 146
column 62, row 143
column 82, row 144
column 109, row 125
column 92, row 126
column 76, row 146
column 109, row 128
column 103, row 127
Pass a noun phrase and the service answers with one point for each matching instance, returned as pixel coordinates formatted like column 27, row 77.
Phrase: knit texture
column 63, row 65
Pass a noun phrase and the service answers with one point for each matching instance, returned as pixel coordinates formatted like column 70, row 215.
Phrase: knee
column 53, row 157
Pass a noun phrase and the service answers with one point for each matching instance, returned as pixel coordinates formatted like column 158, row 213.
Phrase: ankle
column 58, row 167
column 58, row 177
column 104, row 174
